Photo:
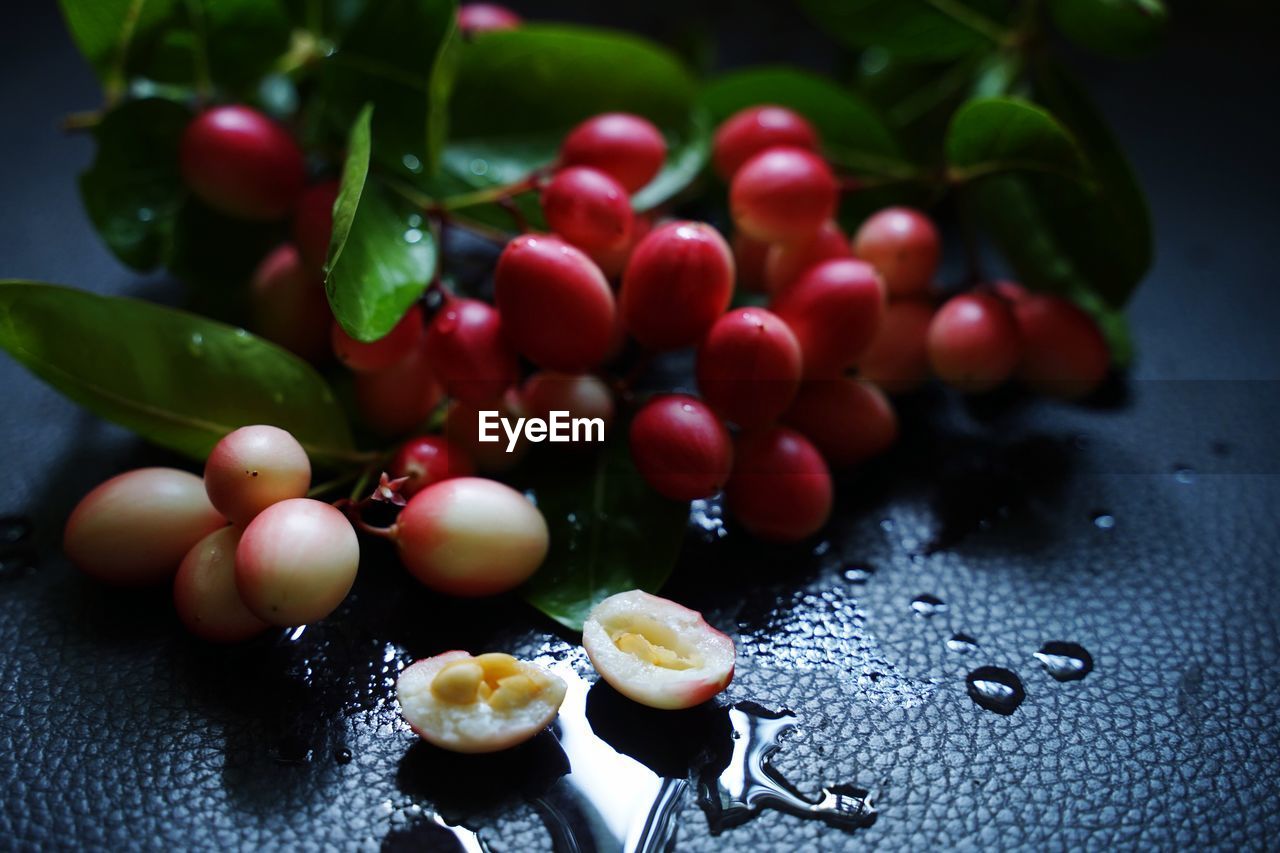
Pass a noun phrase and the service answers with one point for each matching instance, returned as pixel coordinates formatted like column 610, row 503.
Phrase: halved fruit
column 484, row 703
column 656, row 652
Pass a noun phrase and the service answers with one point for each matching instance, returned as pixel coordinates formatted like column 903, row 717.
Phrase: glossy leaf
column 381, row 255
column 1113, row 27
column 133, row 190
column 609, row 533
column 179, row 380
column 853, row 133
column 518, row 92
column 394, row 55
column 914, row 29
column 992, row 135
column 1066, row 237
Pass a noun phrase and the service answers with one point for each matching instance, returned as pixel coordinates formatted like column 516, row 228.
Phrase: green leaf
column 1113, row 27
column 609, row 533
column 381, row 258
column 1066, row 237
column 241, row 39
column 104, row 31
column 518, row 92
column 853, row 134
column 914, row 29
column 395, row 55
column 992, row 135
column 133, row 190
column 177, row 379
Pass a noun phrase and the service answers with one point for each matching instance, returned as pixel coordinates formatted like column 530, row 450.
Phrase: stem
column 330, row 485
column 351, row 510
column 490, row 195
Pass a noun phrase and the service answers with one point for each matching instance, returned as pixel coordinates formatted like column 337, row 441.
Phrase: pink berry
column 242, row 163
column 783, row 194
column 748, row 132
column 426, row 460
column 313, row 224
column 479, row 704
column 288, row 305
column 136, row 527
column 656, row 652
column 786, row 262
column 254, row 467
column 625, row 146
column 469, row 353
column 904, row 247
column 588, row 209
column 556, row 306
column 678, row 281
column 749, row 259
column 780, row 490
column 399, row 399
column 974, row 342
column 848, row 420
column 205, row 594
column 1063, row 351
column 680, row 447
column 471, row 537
column 749, row 367
column 582, row 395
column 834, row 310
column 404, row 339
column 477, row 18
column 898, row 358
column 296, row 562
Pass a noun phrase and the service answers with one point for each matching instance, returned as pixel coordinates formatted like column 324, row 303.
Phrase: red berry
column 748, row 132
column 783, row 194
column 428, row 459
column 1063, row 351
column 898, row 359
column 749, row 367
column 749, row 258
column 404, row 339
column 399, row 399
column 786, row 262
column 582, row 395
column 556, row 306
column 468, row 353
column 848, row 420
column 834, row 310
column 288, row 305
column 313, row 224
column 622, row 145
column 254, row 467
column 476, row 18
column 904, row 247
column 974, row 342
column 780, row 490
column 588, row 208
column 205, row 594
column 678, row 281
column 137, row 527
column 242, row 163
column 681, row 448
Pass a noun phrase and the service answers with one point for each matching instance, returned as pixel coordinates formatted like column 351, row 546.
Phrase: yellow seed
column 497, row 665
column 513, row 691
column 640, row 646
column 458, row 682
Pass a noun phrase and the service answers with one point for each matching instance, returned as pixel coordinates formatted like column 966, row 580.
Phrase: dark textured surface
column 116, row 730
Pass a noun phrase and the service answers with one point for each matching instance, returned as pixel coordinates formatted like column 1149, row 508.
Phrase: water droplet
column 415, row 220
column 412, row 163
column 996, row 689
column 342, row 755
column 478, row 167
column 146, row 214
column 413, row 235
column 707, row 517
column 874, row 60
column 928, row 605
column 195, row 345
column 14, row 529
column 886, row 524
column 1102, row 519
column 1184, row 474
column 859, row 573
column 962, row 643
column 1065, row 661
